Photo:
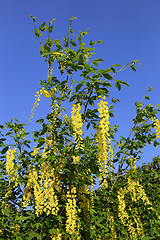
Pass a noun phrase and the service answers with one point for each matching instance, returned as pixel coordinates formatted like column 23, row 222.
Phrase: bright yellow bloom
column 43, row 182
column 57, row 236
column 136, row 192
column 104, row 115
column 123, row 215
column 36, row 103
column 45, row 93
column 35, row 151
column 102, row 137
column 77, row 126
column 157, row 127
column 112, row 227
column 9, row 160
column 77, row 121
column 71, row 212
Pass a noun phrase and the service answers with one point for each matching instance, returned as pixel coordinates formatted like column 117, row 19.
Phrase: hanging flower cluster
column 50, row 145
column 136, row 192
column 36, row 103
column 71, row 211
column 77, row 127
column 157, row 127
column 102, row 137
column 77, row 121
column 9, row 160
column 10, row 166
column 111, row 226
column 123, row 215
column 35, row 151
column 137, row 220
column 43, row 92
column 43, row 185
column 56, row 236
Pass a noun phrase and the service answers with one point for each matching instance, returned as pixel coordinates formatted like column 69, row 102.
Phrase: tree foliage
column 47, row 191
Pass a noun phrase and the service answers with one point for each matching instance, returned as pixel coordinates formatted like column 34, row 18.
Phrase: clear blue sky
column 129, row 30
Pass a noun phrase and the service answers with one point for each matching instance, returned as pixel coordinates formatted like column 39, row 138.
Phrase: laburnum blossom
column 45, row 93
column 36, row 103
column 111, row 226
column 77, row 127
column 157, row 127
column 43, row 184
column 136, row 192
column 71, row 211
column 9, row 160
column 77, row 121
column 102, row 137
column 122, row 213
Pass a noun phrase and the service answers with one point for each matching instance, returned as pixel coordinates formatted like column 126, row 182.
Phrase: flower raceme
column 46, row 94
column 136, row 192
column 43, row 182
column 104, row 115
column 10, row 157
column 157, row 128
column 71, row 211
column 77, row 121
column 77, row 126
column 102, row 137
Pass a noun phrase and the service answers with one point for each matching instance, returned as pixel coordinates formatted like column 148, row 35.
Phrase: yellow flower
column 77, row 126
column 102, row 137
column 112, row 227
column 157, row 127
column 35, row 151
column 71, row 212
column 77, row 121
column 9, row 160
column 36, row 103
column 45, row 93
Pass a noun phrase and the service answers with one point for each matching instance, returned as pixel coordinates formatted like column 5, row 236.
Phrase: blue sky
column 129, row 30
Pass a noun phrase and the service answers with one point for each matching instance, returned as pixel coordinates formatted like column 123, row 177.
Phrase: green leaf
column 133, row 67
column 78, row 87
column 34, row 234
column 136, row 61
column 116, row 65
column 50, row 22
column 120, row 81
column 118, row 86
column 147, row 97
column 37, row 33
column 87, row 67
column 42, row 28
column 19, row 238
column 4, row 150
column 88, row 125
column 106, row 74
column 70, row 30
column 91, row 43
column 33, row 18
column 53, row 231
column 146, row 238
column 111, row 114
column 72, row 98
column 96, row 61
